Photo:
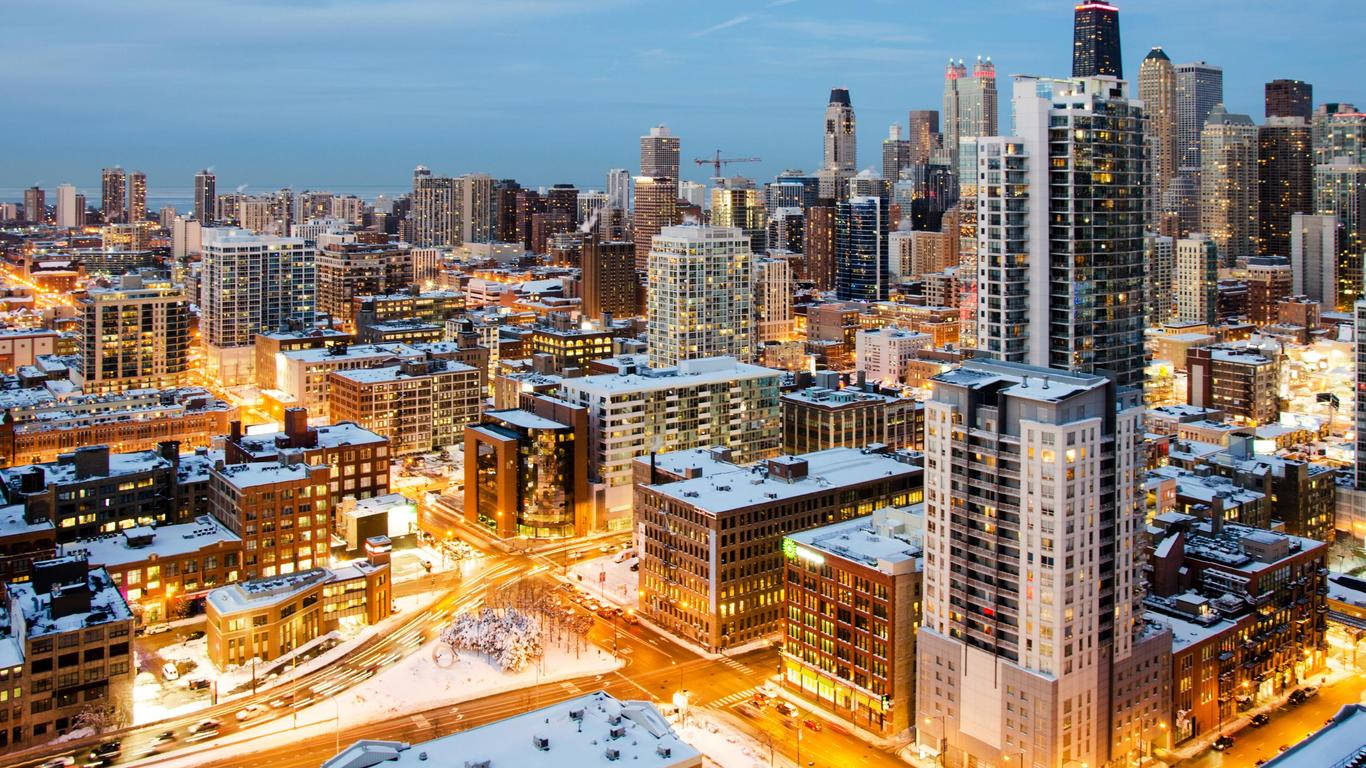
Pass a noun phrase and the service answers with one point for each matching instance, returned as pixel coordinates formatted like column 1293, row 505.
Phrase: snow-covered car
column 623, row 556
column 169, row 671
column 157, row 629
column 249, row 711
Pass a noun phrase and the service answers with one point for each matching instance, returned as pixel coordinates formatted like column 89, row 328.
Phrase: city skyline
column 891, row 59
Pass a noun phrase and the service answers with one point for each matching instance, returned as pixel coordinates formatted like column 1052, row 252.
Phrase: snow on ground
column 604, row 579
column 725, row 746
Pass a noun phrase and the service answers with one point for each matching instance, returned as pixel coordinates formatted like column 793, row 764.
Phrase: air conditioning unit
column 541, row 742
column 612, row 753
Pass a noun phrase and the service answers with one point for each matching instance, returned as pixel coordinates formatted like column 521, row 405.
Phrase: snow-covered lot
column 607, row 580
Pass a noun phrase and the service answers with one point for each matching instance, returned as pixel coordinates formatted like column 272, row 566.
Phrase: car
column 195, row 635
column 157, row 629
column 58, row 762
column 1260, row 719
column 249, row 711
column 198, row 683
column 635, row 566
column 205, row 726
column 169, row 671
column 605, row 548
column 1261, row 761
column 164, row 737
column 630, row 618
column 1223, row 743
column 282, row 702
column 814, row 725
column 574, row 555
column 609, row 612
column 108, row 750
column 785, row 709
column 1298, row 696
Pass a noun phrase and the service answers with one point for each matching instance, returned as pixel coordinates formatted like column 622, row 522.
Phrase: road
column 1289, row 724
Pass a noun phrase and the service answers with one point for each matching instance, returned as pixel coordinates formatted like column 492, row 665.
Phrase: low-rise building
column 883, row 353
column 268, row 617
column 301, row 375
column 358, row 458
column 1242, row 382
column 591, row 731
column 66, row 652
column 268, row 345
column 852, row 592
column 820, row 417
column 282, row 513
column 709, row 532
column 165, row 571
column 401, row 331
column 419, row 405
column 568, row 345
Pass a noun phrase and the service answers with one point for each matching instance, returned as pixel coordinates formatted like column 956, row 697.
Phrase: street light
column 940, row 743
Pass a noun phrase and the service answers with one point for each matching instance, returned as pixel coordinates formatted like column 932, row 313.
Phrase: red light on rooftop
column 1097, row 7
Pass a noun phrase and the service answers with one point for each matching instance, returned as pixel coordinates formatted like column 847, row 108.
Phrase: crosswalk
column 570, row 687
column 734, row 698
column 735, row 665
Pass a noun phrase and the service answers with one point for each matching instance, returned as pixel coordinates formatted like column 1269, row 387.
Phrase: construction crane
column 717, row 161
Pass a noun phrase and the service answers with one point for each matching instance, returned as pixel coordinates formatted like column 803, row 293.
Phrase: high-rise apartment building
column 1159, row 259
column 1157, row 91
column 1199, row 87
column 1038, row 238
column 70, row 207
column 736, row 203
column 610, row 281
column 35, row 205
column 659, row 153
column 419, row 405
column 205, row 196
column 348, row 269
column 134, row 334
column 619, row 189
column 1228, row 185
column 1314, row 257
column 436, row 210
column 1032, row 571
column 137, row 197
column 250, row 284
column 924, row 137
column 1196, row 287
column 861, row 228
column 476, row 208
column 656, row 208
column 970, row 103
column 1359, row 326
column 1095, row 40
column 896, row 153
column 1289, row 98
column 113, row 195
column 701, row 299
column 819, row 239
column 1285, row 181
column 1339, row 136
column 773, row 289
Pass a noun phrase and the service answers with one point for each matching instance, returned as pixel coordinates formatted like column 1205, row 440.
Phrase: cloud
column 727, row 24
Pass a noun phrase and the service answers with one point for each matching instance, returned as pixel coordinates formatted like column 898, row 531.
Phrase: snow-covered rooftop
column 243, row 476
column 120, row 464
column 524, row 419
column 397, row 372
column 584, row 732
column 165, row 541
column 106, row 605
column 730, row 486
column 352, row 352
column 689, row 373
column 1186, row 633
column 12, row 522
column 889, row 548
column 260, row 593
column 263, row 447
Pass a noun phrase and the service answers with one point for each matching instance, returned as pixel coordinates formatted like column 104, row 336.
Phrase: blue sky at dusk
column 348, row 93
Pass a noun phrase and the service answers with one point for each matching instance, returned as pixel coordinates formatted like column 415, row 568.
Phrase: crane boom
column 716, row 161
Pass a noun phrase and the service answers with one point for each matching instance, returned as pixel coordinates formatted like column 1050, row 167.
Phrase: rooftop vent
column 612, row 753
column 541, row 742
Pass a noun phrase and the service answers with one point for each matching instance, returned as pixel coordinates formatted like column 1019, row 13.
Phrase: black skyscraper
column 1095, row 42
column 1289, row 98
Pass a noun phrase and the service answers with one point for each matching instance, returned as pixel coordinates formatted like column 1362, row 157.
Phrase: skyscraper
column 840, row 159
column 113, row 195
column 924, row 137
column 736, row 203
column 1314, row 257
column 35, row 205
column 69, row 213
column 619, row 189
column 896, row 153
column 819, row 239
column 137, row 196
column 1095, row 40
column 476, row 208
column 205, row 196
column 1199, row 86
column 1048, row 244
column 435, row 212
column 861, row 229
column 1032, row 581
column 1289, row 98
column 701, row 302
column 1339, row 136
column 1228, row 185
column 773, row 288
column 609, row 277
column 1285, row 181
column 1159, row 265
column 656, row 208
column 970, row 103
column 250, row 284
column 659, row 153
column 1196, row 287
column 1157, row 90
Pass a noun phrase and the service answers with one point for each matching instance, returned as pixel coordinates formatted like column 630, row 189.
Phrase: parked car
column 197, row 683
column 1223, row 743
column 169, row 671
column 1260, row 719
column 605, row 548
column 156, row 629
column 814, row 725
column 195, row 635
column 785, row 709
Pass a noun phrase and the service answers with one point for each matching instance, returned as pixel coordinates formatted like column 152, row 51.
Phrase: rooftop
column 352, row 352
column 689, row 373
column 106, row 605
column 243, row 476
column 583, row 732
column 259, row 593
column 263, row 447
column 728, row 486
column 1339, row 743
column 397, row 372
column 165, row 541
column 525, row 419
column 892, row 546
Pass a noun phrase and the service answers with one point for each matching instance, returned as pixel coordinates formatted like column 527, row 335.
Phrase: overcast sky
column 352, row 93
